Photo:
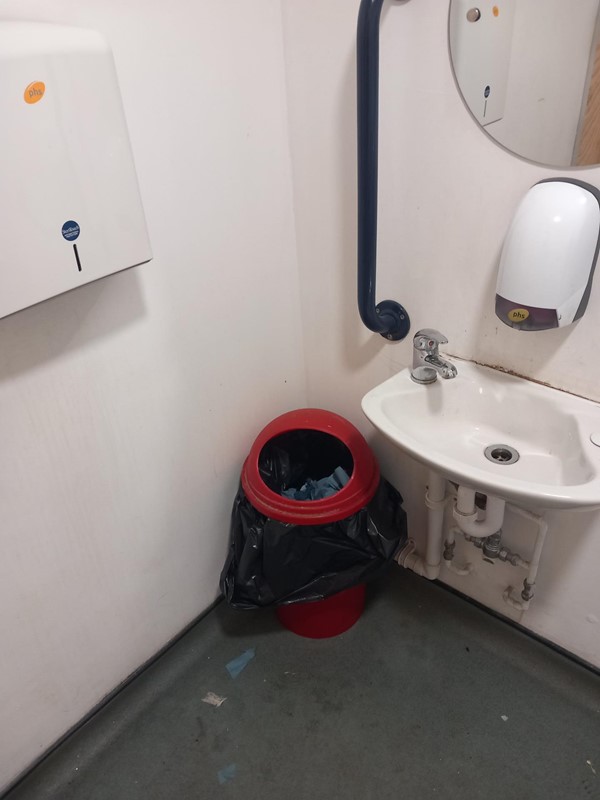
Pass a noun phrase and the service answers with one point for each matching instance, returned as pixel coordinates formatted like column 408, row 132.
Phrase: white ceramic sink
column 449, row 424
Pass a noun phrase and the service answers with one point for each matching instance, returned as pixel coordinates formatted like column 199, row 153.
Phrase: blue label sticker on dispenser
column 70, row 230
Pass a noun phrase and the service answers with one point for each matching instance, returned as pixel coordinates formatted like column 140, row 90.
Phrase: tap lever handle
column 428, row 339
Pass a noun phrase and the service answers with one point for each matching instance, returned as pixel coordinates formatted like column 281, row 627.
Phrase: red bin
column 337, row 613
column 320, row 619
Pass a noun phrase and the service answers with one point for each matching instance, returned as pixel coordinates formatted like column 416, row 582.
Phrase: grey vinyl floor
column 426, row 697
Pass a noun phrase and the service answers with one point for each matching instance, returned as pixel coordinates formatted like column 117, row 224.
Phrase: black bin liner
column 272, row 563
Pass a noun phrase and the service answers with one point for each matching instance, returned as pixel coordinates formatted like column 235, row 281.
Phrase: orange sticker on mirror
column 34, row 92
column 495, row 11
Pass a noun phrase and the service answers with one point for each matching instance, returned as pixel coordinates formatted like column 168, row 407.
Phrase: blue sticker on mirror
column 70, row 230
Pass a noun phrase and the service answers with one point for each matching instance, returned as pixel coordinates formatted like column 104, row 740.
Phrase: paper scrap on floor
column 213, row 699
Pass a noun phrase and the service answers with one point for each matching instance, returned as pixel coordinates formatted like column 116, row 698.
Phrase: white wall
column 127, row 406
column 447, row 194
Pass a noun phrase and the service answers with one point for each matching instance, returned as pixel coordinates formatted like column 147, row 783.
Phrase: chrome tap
column 427, row 363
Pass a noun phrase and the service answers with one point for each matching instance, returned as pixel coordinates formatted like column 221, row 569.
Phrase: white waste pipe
column 465, row 514
column 435, row 500
column 449, row 563
column 522, row 603
column 465, row 501
column 540, row 521
column 537, row 552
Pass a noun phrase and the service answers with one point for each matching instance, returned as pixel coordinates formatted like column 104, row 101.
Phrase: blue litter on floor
column 227, row 773
column 240, row 663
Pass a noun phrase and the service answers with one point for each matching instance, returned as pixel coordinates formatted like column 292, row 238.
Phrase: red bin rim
column 356, row 494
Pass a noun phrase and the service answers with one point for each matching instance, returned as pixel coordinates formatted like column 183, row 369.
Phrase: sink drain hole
column 501, row 454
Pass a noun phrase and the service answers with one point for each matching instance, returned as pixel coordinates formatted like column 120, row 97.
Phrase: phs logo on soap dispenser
column 518, row 315
column 34, row 92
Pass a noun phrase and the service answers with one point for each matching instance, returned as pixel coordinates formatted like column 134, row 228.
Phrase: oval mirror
column 529, row 72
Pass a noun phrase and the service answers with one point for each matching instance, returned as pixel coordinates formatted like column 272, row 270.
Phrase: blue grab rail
column 388, row 318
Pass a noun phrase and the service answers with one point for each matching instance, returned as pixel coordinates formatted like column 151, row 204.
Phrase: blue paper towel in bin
column 319, row 490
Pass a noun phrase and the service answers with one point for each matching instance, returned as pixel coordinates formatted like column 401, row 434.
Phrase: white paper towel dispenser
column 69, row 199
column 549, row 256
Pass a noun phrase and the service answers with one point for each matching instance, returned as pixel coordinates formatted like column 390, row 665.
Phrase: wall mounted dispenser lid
column 70, row 205
column 549, row 256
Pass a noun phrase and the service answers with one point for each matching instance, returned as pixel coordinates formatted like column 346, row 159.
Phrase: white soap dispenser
column 549, row 256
